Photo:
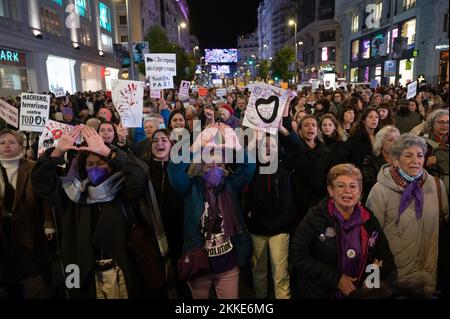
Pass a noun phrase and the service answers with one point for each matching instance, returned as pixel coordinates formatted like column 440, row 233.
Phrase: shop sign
column 12, row 57
column 441, row 47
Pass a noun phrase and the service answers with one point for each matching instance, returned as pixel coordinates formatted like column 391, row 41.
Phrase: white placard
column 160, row 63
column 59, row 92
column 9, row 113
column 159, row 82
column 265, row 107
column 221, row 92
column 155, row 94
column 184, row 88
column 51, row 134
column 412, row 90
column 250, row 87
column 128, row 99
column 34, row 112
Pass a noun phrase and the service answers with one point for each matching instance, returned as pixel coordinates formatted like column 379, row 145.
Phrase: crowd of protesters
column 362, row 179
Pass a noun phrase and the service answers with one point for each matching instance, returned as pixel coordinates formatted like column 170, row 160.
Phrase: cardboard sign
column 9, row 113
column 51, row 134
column 34, row 112
column 202, row 91
column 128, row 99
column 59, row 92
column 184, row 88
column 160, row 82
column 160, row 63
column 221, row 92
column 155, row 94
column 412, row 90
column 284, row 85
column 265, row 107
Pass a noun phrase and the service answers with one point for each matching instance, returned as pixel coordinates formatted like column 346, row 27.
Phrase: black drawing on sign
column 264, row 110
column 149, row 59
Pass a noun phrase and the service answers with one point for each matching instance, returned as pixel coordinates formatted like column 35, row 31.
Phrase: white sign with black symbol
column 265, row 107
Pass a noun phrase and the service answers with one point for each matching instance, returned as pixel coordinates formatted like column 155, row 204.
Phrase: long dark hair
column 175, row 112
column 359, row 128
column 116, row 138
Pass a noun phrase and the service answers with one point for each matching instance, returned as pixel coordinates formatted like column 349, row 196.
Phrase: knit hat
column 67, row 111
column 228, row 108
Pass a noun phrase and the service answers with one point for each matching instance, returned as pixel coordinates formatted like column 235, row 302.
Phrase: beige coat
column 414, row 243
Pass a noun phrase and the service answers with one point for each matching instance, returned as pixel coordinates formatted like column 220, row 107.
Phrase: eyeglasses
column 442, row 123
column 341, row 187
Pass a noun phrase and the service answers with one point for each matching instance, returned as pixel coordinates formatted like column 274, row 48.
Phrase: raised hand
column 122, row 133
column 66, row 142
column 94, row 141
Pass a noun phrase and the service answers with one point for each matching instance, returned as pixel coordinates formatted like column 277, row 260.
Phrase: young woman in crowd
column 25, row 222
column 362, row 135
column 332, row 132
column 309, row 178
column 101, row 203
column 213, row 223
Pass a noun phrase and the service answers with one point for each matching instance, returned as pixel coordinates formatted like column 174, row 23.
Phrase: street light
column 266, row 46
column 294, row 23
column 182, row 25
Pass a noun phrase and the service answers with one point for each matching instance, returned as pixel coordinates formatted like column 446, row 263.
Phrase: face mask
column 97, row 175
column 407, row 177
column 213, row 177
column 162, row 126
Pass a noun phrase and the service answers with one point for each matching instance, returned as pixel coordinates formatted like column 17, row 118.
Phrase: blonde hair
column 344, row 170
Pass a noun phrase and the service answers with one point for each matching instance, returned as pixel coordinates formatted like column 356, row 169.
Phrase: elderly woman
column 381, row 155
column 213, row 224
column 337, row 240
column 436, row 136
column 143, row 148
column 409, row 204
column 24, row 223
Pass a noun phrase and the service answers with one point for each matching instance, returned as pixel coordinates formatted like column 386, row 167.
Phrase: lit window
column 378, row 11
column 408, row 4
column 355, row 23
column 82, row 8
column 409, row 31
column 104, row 16
column 355, row 50
column 2, row 9
column 324, row 55
column 107, row 45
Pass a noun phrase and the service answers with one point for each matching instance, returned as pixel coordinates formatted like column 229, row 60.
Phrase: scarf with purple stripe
column 220, row 200
column 411, row 191
column 349, row 237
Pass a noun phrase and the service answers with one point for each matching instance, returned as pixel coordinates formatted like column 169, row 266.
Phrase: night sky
column 216, row 23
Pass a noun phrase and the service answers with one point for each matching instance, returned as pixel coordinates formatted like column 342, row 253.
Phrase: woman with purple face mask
column 99, row 205
column 213, row 220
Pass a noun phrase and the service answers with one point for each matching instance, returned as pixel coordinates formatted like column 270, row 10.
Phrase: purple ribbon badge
column 373, row 238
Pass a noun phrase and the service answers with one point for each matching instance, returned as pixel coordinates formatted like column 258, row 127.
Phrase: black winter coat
column 310, row 178
column 315, row 263
column 271, row 206
column 355, row 149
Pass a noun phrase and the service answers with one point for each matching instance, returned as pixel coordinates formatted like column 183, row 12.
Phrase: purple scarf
column 220, row 199
column 232, row 122
column 412, row 191
column 349, row 238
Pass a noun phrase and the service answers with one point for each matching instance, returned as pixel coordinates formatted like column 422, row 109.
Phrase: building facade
column 46, row 47
column 273, row 18
column 247, row 50
column 419, row 47
column 318, row 35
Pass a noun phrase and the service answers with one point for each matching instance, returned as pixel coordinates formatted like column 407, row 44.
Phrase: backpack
column 441, row 168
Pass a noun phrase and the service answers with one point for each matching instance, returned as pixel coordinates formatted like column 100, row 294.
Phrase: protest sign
column 184, row 88
column 128, row 99
column 9, row 113
column 59, row 92
column 412, row 90
column 265, row 107
column 202, row 91
column 160, row 63
column 221, row 92
column 34, row 112
column 51, row 134
column 155, row 94
column 159, row 82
